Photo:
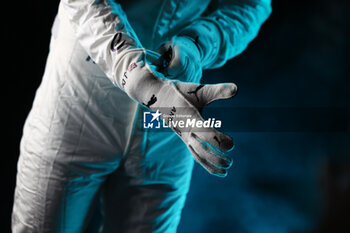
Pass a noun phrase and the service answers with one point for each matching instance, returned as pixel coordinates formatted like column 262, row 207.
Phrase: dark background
column 290, row 120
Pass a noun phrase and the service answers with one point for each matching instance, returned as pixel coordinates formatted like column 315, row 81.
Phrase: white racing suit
column 82, row 145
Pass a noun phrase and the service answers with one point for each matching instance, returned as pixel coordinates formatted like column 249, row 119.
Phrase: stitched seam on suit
column 83, row 121
column 132, row 130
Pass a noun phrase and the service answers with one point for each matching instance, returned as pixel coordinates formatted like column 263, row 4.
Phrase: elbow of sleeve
column 266, row 10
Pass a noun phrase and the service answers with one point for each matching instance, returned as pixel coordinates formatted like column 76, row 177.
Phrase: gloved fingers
column 175, row 60
column 166, row 56
column 178, row 63
column 153, row 58
column 219, row 91
column 181, row 60
column 216, row 139
column 209, row 153
column 220, row 172
column 165, row 48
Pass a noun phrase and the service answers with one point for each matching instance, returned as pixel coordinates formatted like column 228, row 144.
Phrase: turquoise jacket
column 223, row 28
column 226, row 27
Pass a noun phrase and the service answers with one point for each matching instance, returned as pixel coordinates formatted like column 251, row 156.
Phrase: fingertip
column 225, row 161
column 217, row 171
column 233, row 89
column 221, row 175
column 227, row 144
column 230, row 162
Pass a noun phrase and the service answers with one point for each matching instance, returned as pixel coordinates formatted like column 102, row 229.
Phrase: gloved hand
column 143, row 83
column 182, row 59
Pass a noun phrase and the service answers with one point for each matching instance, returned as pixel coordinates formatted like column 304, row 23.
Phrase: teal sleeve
column 227, row 31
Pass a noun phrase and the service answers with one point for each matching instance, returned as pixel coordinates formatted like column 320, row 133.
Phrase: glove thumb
column 218, row 91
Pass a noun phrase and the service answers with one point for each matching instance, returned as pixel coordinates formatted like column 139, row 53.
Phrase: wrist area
column 135, row 75
column 206, row 36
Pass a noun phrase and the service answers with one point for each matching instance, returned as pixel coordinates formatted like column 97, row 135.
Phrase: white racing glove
column 145, row 85
column 104, row 32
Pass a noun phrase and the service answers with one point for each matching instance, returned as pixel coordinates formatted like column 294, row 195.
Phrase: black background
column 299, row 59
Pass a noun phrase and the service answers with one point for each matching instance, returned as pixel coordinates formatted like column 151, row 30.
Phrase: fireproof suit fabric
column 82, row 141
